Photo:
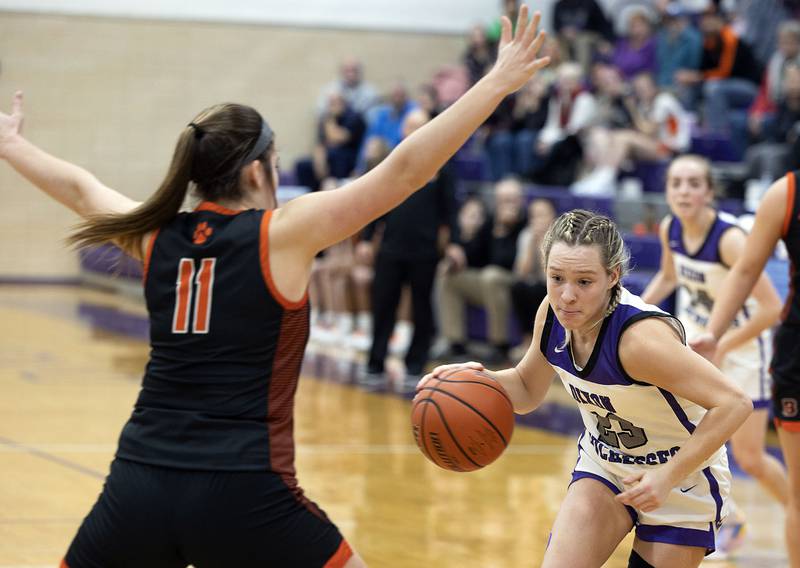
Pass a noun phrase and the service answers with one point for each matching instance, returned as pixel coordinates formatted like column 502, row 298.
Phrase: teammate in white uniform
column 656, row 415
column 699, row 245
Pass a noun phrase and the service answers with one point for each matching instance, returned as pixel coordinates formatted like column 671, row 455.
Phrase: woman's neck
column 697, row 226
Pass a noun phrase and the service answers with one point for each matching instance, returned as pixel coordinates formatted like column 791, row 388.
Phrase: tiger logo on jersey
column 202, row 233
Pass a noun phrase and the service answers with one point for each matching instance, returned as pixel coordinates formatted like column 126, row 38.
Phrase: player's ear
column 253, row 174
column 615, row 276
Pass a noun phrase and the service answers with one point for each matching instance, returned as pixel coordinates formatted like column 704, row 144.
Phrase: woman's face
column 471, row 216
column 688, row 191
column 639, row 27
column 578, row 285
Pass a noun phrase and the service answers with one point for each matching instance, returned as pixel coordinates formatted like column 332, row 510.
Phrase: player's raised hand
column 11, row 124
column 517, row 59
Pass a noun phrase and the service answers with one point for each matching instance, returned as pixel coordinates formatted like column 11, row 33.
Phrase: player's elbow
column 739, row 405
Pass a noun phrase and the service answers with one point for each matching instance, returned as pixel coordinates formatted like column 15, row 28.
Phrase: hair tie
column 198, row 131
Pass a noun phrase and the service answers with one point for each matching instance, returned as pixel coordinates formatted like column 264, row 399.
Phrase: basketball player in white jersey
column 656, row 415
column 699, row 245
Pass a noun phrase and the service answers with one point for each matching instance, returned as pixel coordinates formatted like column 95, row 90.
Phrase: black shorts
column 786, row 377
column 155, row 517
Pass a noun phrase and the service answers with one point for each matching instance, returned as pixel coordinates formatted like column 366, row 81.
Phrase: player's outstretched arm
column 527, row 383
column 651, row 352
column 739, row 283
column 337, row 214
column 769, row 305
column 65, row 182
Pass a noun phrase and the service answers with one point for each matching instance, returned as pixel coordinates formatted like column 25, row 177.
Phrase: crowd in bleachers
column 631, row 85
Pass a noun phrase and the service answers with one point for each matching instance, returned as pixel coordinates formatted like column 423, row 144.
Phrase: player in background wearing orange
column 656, row 415
column 777, row 218
column 698, row 246
column 204, row 472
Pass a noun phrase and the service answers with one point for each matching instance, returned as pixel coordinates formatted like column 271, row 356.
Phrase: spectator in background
column 636, row 51
column 428, row 100
column 529, row 287
column 408, row 253
column 375, row 152
column 340, row 131
column 678, row 46
column 660, row 129
column 582, row 27
column 329, row 288
column 771, row 158
column 762, row 112
column 757, row 22
column 729, row 74
column 512, row 151
column 360, row 95
column 483, row 276
column 649, row 223
column 386, row 120
column 570, row 109
column 479, row 55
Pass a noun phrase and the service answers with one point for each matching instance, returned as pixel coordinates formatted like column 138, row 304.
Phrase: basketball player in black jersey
column 777, row 218
column 204, row 473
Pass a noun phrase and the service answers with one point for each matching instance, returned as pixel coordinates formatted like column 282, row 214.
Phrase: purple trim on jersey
column 709, row 250
column 677, row 535
column 714, row 486
column 603, row 367
column 762, row 403
column 576, row 475
column 676, row 408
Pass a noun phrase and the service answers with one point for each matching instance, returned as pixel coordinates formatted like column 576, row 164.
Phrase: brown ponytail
column 209, row 156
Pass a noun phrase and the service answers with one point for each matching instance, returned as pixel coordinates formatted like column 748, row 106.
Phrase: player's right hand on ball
column 447, row 369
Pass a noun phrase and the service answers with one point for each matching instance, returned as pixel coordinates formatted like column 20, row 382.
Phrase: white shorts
column 690, row 516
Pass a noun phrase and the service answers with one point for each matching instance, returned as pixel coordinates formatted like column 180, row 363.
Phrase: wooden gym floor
column 67, row 387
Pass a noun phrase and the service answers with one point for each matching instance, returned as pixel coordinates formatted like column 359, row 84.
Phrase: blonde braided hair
column 585, row 228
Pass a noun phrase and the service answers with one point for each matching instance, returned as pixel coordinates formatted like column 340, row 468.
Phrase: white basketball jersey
column 700, row 275
column 629, row 424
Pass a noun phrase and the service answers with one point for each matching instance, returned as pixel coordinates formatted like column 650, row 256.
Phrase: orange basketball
column 462, row 421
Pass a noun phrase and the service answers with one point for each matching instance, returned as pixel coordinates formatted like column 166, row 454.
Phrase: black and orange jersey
column 226, row 349
column 791, row 237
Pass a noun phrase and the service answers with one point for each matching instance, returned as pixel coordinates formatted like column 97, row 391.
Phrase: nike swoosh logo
column 687, row 490
column 557, row 350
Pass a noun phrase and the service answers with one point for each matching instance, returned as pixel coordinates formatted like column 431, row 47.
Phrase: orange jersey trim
column 209, row 206
column 730, row 44
column 340, row 557
column 790, row 193
column 787, row 426
column 148, row 253
column 267, row 272
column 63, row 563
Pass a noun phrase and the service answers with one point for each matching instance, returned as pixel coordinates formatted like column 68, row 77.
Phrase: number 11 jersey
column 226, row 349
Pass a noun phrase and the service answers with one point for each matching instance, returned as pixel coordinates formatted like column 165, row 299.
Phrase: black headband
column 265, row 138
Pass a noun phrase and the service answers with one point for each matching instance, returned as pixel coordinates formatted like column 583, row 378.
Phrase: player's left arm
column 768, row 312
column 651, row 352
column 67, row 183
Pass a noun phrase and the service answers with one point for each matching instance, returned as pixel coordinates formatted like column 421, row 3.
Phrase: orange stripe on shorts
column 340, row 557
column 788, row 426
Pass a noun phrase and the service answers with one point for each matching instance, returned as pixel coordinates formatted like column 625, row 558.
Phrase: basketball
column 462, row 421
